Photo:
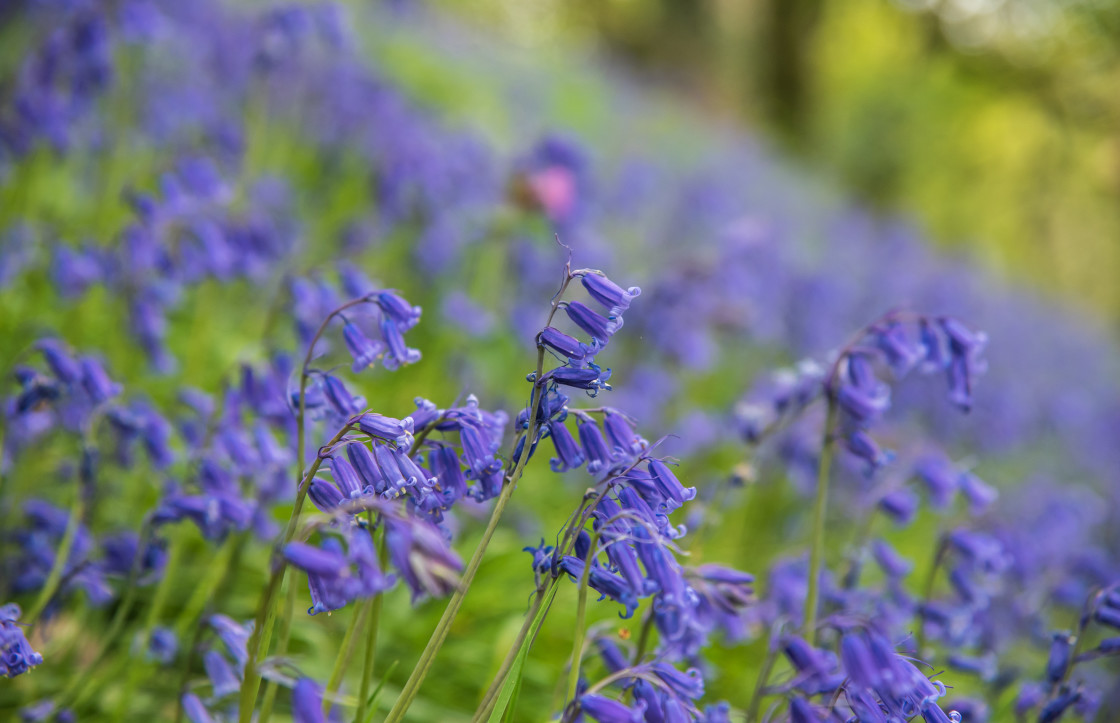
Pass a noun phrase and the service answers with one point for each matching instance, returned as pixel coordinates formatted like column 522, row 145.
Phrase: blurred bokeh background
column 993, row 123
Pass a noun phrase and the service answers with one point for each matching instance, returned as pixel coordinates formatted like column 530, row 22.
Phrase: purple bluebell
column 233, row 635
column 478, row 452
column 568, row 454
column 398, row 431
column 399, row 353
column 818, row 671
column 892, row 564
column 569, row 347
column 900, row 505
column 16, row 654
column 673, row 492
column 365, row 351
column 195, row 710
column 365, row 464
column 861, row 394
column 445, row 465
column 613, row 297
column 307, row 702
column 590, row 378
column 163, row 645
column 421, row 555
column 223, row 679
column 404, row 315
column 621, row 434
column 599, row 457
column 336, row 576
column 606, row 710
column 594, row 324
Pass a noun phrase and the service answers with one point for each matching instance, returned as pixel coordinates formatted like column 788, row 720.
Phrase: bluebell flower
column 575, row 351
column 398, row 431
column 900, row 505
column 399, row 353
column 163, row 645
column 16, row 654
column 568, row 454
column 223, row 679
column 594, row 324
column 965, row 347
column 445, row 465
column 421, row 555
column 194, row 709
column 599, row 458
column 96, row 382
column 307, row 702
column 365, row 464
column 817, row 670
column 590, row 378
column 673, row 492
column 623, row 438
column 336, row 576
column 892, row 564
column 404, row 315
column 613, row 297
column 606, row 710
column 233, row 635
column 365, row 351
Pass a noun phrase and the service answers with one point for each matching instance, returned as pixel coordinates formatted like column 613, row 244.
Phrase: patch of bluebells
column 1000, row 570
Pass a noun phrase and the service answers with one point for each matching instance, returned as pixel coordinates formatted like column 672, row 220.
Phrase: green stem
column 820, row 508
column 412, row 686
column 271, row 689
column 760, row 684
column 159, row 600
column 371, row 641
column 643, row 637
column 50, row 587
column 345, row 650
column 581, row 612
column 495, row 688
column 265, row 618
column 927, row 588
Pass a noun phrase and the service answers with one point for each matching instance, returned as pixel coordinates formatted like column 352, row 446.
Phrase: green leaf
column 507, row 699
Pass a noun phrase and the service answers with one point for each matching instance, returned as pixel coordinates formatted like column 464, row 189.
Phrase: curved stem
column 763, row 676
column 261, row 638
column 820, row 509
column 927, row 589
column 495, row 688
column 271, row 688
column 371, row 641
column 345, row 650
column 581, row 611
column 50, row 587
column 412, row 686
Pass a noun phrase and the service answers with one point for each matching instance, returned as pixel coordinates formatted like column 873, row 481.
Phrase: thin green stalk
column 495, row 688
column 374, row 625
column 763, row 677
column 416, row 679
column 345, row 650
column 155, row 609
column 412, row 686
column 50, row 587
column 261, row 638
column 205, row 588
column 820, row 508
column 581, row 612
column 272, row 688
column 927, row 588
